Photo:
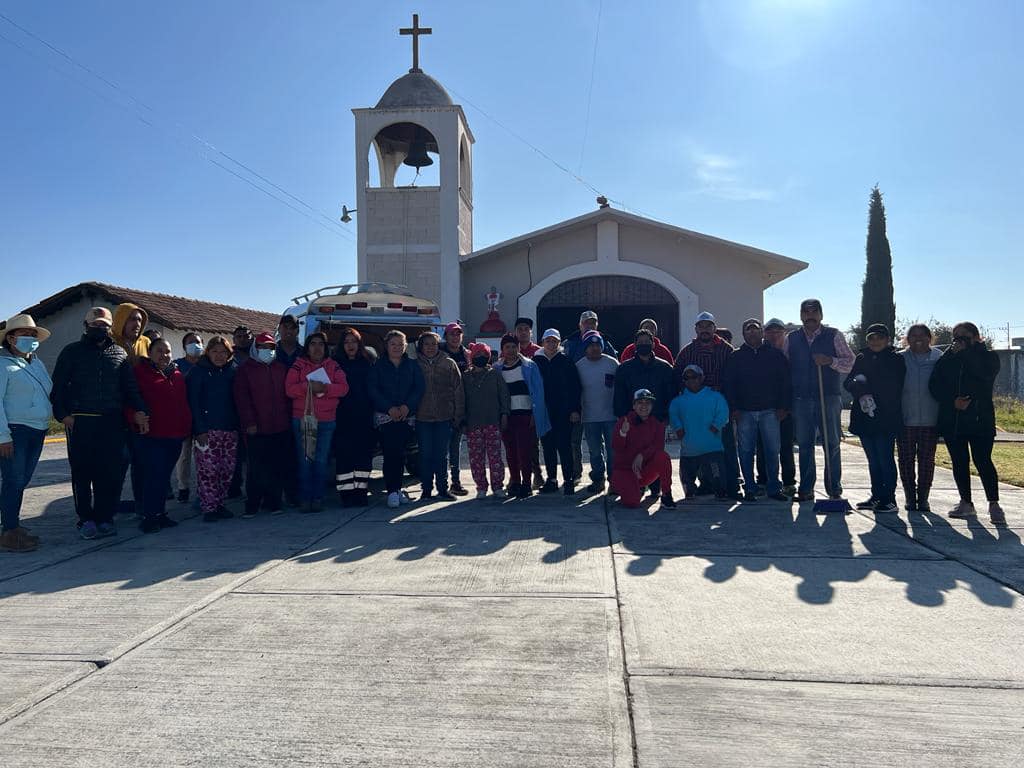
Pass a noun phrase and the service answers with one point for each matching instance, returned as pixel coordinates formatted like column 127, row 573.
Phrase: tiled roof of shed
column 174, row 312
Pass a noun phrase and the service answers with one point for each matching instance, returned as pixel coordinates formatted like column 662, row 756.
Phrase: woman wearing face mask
column 488, row 405
column 323, row 400
column 265, row 419
column 170, row 421
column 24, row 417
column 354, row 438
column 214, row 426
column 962, row 383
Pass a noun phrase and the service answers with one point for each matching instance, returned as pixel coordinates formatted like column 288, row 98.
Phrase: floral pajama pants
column 485, row 446
column 214, row 468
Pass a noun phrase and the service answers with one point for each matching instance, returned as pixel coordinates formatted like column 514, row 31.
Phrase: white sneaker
column 499, row 493
column 481, row 494
column 393, row 500
column 962, row 510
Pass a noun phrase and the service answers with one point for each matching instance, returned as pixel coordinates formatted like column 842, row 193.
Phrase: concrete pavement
column 530, row 633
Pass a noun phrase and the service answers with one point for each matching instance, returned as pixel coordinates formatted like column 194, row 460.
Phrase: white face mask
column 194, row 349
column 265, row 356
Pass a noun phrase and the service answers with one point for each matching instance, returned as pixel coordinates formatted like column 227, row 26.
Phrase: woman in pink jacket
column 324, row 399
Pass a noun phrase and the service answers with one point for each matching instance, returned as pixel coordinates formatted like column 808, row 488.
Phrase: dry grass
column 1008, row 458
column 1009, row 413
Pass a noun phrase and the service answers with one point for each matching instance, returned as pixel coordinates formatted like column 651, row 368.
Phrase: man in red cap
column 264, row 415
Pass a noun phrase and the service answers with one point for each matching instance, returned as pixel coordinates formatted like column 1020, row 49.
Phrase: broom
column 829, row 505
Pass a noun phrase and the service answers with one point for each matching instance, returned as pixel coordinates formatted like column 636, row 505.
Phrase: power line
column 334, row 227
column 590, row 89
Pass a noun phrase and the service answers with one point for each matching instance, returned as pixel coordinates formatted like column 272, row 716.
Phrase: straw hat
column 22, row 321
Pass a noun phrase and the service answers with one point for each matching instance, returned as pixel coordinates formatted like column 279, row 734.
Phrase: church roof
column 414, row 89
column 172, row 312
column 781, row 266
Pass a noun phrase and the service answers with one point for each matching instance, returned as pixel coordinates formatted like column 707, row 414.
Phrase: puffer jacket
column 443, row 397
column 884, row 375
column 393, row 385
column 325, row 404
column 211, row 397
column 972, row 373
column 94, row 380
column 920, row 409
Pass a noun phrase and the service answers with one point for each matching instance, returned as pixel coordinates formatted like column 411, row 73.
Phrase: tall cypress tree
column 877, row 304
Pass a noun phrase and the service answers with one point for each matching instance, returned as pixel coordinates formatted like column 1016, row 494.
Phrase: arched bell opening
column 404, row 155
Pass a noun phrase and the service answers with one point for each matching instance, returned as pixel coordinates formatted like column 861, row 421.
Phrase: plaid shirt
column 710, row 357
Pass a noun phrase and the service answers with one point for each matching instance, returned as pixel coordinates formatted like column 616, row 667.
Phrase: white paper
column 319, row 375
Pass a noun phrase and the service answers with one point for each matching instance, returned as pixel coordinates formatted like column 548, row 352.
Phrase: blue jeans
column 433, row 438
column 156, row 457
column 881, row 465
column 17, row 470
column 806, row 426
column 599, row 443
column 750, row 424
column 313, row 474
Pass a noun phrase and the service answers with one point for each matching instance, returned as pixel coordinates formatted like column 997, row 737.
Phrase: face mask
column 193, row 349
column 96, row 333
column 265, row 356
column 644, row 349
column 480, row 362
column 26, row 344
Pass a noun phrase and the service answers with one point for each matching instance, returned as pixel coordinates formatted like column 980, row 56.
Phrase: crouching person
column 698, row 417
column 487, row 408
column 638, row 450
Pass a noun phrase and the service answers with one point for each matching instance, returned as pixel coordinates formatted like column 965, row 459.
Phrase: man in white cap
column 711, row 354
column 562, row 395
column 24, row 418
column 92, row 382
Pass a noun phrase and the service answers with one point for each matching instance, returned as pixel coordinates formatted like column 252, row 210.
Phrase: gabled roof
column 781, row 266
column 173, row 312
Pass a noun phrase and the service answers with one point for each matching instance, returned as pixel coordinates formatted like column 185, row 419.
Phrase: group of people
column 280, row 409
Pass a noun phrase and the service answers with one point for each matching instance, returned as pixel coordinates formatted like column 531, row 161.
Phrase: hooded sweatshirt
column 139, row 349
column 695, row 413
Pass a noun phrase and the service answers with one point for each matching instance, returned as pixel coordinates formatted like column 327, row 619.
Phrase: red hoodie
column 646, row 438
column 167, row 400
column 325, row 405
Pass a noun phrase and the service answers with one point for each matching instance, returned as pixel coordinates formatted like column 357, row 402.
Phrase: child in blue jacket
column 698, row 416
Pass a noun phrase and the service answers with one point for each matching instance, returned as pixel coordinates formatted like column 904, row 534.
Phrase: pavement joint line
column 166, row 627
column 446, row 595
column 610, row 524
column 702, row 555
column 779, row 677
column 906, row 534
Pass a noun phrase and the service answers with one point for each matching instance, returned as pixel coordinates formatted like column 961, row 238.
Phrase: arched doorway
column 620, row 301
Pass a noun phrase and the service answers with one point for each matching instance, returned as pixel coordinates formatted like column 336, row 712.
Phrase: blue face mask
column 265, row 356
column 194, row 349
column 26, row 344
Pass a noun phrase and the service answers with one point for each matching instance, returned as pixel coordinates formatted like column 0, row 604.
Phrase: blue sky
column 760, row 121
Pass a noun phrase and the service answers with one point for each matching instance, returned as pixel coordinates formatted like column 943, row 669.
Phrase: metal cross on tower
column 415, row 30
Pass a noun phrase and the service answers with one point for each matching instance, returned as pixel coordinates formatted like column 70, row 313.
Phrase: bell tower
column 408, row 233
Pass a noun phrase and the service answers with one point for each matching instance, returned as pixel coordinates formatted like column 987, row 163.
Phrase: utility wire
column 335, row 228
column 590, row 89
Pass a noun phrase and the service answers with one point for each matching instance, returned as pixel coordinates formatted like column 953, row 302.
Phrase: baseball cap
column 588, row 315
column 551, row 333
column 452, row 327
column 264, row 338
column 704, row 317
column 751, row 322
column 810, row 305
column 693, row 368
column 479, row 348
column 876, row 329
column 643, row 394
column 775, row 323
column 99, row 314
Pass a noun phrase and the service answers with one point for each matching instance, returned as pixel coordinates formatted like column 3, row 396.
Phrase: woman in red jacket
column 170, row 421
column 323, row 391
column 638, row 453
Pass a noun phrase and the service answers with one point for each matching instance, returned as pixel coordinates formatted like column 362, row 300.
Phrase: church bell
column 417, row 157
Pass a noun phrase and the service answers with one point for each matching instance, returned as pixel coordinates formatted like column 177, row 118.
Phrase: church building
column 624, row 267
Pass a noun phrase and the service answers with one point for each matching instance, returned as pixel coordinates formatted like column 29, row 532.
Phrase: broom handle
column 824, row 430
